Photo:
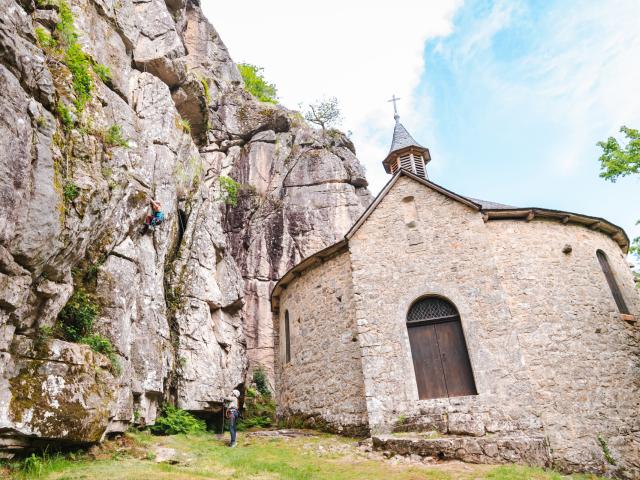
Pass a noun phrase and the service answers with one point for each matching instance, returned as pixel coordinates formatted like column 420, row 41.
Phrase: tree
column 325, row 113
column 617, row 161
column 256, row 84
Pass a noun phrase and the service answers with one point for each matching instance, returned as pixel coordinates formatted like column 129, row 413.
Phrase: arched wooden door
column 439, row 351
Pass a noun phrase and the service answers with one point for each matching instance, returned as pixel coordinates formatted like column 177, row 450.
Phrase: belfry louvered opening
column 410, row 162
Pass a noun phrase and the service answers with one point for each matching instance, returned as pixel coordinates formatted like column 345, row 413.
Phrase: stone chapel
column 503, row 334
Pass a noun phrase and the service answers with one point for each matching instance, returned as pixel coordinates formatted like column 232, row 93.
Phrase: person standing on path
column 233, row 413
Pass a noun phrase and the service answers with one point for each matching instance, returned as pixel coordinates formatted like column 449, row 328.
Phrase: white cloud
column 594, row 79
column 582, row 72
column 360, row 52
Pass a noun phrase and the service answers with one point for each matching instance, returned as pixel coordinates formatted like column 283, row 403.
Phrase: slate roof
column 489, row 205
column 402, row 138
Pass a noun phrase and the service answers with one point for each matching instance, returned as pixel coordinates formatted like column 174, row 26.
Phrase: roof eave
column 612, row 230
column 295, row 271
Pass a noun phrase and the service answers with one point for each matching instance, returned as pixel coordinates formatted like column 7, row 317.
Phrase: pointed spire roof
column 403, row 143
column 402, row 138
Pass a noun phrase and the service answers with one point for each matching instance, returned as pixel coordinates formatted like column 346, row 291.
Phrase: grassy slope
column 206, row 456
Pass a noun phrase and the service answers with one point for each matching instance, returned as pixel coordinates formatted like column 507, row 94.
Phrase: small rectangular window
column 287, row 338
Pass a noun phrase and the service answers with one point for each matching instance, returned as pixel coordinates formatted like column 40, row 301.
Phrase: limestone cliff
column 81, row 154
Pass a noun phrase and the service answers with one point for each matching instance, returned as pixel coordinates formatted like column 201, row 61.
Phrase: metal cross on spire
column 394, row 99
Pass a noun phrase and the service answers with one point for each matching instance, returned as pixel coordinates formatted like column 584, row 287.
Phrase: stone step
column 530, row 450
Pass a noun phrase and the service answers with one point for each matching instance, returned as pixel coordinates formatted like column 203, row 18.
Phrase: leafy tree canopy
column 617, row 161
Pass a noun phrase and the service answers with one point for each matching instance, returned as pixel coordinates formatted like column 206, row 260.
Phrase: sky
column 510, row 97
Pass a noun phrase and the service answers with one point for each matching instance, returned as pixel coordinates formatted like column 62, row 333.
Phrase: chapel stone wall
column 322, row 385
column 582, row 358
column 418, row 242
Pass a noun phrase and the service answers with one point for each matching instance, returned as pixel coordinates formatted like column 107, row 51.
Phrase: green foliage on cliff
column 44, row 39
column 175, row 420
column 103, row 72
column 65, row 28
column 185, row 125
column 79, row 65
column 103, row 345
column 70, row 53
column 65, row 116
column 205, row 88
column 229, row 190
column 75, row 320
column 113, row 137
column 256, row 85
column 70, row 191
column 325, row 113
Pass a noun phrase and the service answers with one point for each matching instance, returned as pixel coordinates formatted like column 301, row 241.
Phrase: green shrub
column 44, row 39
column 78, row 63
column 70, row 191
column 113, row 137
column 175, row 420
column 230, row 190
column 262, row 384
column 256, row 85
column 74, row 58
column 75, row 320
column 65, row 116
column 65, row 28
column 103, row 72
column 259, row 408
column 102, row 345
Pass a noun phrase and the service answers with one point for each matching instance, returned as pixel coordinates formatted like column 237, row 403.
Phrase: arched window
column 287, row 338
column 440, row 357
column 611, row 280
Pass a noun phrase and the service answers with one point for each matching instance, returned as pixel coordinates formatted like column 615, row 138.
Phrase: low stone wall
column 532, row 451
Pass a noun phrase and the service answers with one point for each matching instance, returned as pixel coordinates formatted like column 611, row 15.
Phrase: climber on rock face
column 156, row 217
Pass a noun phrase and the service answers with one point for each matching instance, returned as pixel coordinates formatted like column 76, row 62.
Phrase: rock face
column 185, row 306
column 306, row 192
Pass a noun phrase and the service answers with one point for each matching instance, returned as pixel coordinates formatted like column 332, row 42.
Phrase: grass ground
column 138, row 456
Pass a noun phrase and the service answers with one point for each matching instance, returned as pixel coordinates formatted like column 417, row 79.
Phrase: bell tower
column 405, row 152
